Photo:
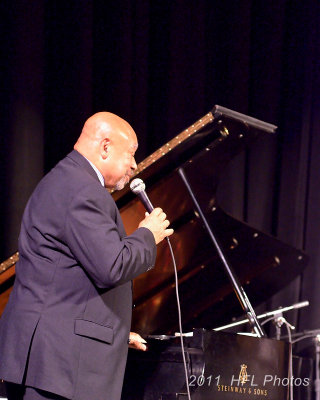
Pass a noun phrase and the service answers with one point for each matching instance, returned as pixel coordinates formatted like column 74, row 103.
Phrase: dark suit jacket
column 69, row 313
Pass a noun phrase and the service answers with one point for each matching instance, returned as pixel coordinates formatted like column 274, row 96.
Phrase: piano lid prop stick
column 240, row 293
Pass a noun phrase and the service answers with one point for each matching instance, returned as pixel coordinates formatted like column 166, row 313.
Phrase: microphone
column 138, row 187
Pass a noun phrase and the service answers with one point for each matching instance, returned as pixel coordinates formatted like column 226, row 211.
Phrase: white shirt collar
column 99, row 174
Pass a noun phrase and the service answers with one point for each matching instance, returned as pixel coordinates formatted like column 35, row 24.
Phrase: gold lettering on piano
column 243, row 384
column 243, row 376
column 240, row 390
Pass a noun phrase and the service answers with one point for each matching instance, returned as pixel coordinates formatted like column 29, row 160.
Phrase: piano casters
column 241, row 295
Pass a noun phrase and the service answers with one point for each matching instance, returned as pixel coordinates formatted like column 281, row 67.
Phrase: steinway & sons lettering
column 242, row 390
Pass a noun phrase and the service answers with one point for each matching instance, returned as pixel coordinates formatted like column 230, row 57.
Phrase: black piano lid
column 263, row 264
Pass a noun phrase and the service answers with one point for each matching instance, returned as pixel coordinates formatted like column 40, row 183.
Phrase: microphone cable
column 138, row 187
column 179, row 317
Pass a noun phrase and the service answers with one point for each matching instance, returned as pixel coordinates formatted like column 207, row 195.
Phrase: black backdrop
column 161, row 65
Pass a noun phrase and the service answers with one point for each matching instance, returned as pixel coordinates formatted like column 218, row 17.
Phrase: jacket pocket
column 94, row 331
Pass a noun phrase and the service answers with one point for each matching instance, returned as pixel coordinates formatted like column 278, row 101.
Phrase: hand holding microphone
column 155, row 219
column 158, row 224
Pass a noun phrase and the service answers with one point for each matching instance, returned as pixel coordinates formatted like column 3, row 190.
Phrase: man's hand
column 137, row 342
column 157, row 223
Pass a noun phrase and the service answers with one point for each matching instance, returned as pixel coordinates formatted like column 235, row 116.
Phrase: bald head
column 100, row 126
column 109, row 142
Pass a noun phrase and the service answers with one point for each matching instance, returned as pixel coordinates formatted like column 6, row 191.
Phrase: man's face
column 120, row 163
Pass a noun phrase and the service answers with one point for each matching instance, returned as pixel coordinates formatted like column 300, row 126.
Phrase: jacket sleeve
column 93, row 236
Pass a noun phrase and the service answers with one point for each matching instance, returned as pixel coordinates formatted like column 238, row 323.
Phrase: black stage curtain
column 161, row 65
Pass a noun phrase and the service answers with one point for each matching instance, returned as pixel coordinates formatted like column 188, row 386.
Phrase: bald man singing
column 64, row 332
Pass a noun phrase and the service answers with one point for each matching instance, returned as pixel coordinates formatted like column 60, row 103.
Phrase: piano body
column 221, row 366
column 203, row 150
column 262, row 263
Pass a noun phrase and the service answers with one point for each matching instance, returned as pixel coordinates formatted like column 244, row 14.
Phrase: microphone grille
column 137, row 186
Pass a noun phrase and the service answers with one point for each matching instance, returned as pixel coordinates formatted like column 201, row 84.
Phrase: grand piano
column 203, row 150
column 262, row 263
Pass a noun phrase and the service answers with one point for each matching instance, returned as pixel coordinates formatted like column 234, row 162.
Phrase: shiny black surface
column 262, row 263
column 214, row 361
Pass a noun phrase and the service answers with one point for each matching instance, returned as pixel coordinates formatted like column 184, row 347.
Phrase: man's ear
column 104, row 148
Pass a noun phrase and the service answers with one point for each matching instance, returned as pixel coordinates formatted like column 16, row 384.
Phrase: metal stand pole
column 317, row 367
column 274, row 313
column 278, row 321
